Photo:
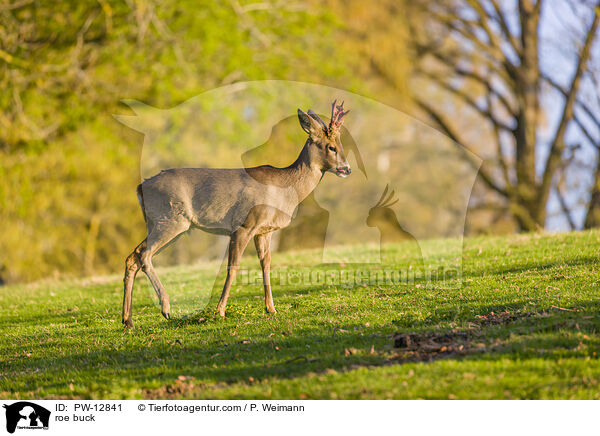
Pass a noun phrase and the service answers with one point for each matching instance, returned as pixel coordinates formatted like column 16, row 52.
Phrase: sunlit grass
column 527, row 318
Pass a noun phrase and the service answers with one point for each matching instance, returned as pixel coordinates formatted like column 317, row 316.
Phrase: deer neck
column 305, row 173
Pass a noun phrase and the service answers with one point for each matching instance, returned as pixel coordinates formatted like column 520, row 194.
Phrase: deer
column 242, row 203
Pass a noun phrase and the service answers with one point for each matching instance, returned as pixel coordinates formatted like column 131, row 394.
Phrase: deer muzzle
column 343, row 171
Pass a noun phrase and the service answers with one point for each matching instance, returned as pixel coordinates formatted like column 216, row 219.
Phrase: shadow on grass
column 507, row 332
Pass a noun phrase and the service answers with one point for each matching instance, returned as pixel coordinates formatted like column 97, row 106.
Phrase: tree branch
column 594, row 117
column 445, row 127
column 451, row 61
column 585, row 131
column 486, row 113
column 16, row 5
column 485, row 17
column 495, row 54
column 483, row 22
column 558, row 143
column 504, row 27
column 500, row 155
column 565, row 208
column 10, row 59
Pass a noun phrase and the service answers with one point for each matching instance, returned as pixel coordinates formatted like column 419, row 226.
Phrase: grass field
column 524, row 325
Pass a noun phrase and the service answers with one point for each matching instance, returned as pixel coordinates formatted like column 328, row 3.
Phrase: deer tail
column 140, row 196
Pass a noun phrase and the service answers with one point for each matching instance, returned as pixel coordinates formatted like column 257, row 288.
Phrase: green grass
column 525, row 324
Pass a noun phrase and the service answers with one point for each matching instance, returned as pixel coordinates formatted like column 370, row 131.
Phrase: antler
column 337, row 116
column 386, row 202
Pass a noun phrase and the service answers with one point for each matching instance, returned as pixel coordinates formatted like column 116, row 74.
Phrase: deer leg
column 237, row 245
column 132, row 266
column 263, row 250
column 158, row 238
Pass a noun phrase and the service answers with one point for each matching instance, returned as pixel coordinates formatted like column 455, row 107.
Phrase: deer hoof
column 166, row 315
column 271, row 310
column 128, row 323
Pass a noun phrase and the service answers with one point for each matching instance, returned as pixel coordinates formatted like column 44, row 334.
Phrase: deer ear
column 310, row 125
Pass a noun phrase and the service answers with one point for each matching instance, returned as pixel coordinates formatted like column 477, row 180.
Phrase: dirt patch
column 183, row 387
column 169, row 391
column 426, row 347
column 500, row 318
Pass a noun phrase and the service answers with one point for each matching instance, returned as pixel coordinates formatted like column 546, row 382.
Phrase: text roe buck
column 243, row 203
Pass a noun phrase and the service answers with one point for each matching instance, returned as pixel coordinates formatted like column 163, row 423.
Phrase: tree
column 592, row 217
column 487, row 57
column 68, row 170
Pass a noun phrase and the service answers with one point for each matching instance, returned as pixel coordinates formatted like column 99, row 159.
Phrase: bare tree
column 487, row 56
column 592, row 218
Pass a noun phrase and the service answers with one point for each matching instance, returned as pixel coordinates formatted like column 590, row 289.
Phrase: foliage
column 524, row 325
column 68, row 170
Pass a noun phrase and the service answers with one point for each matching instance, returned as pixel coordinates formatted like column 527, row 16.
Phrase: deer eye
column 331, row 148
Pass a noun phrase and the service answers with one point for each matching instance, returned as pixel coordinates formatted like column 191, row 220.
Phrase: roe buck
column 243, row 203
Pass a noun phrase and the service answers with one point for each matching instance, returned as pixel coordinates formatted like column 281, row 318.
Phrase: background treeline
column 516, row 82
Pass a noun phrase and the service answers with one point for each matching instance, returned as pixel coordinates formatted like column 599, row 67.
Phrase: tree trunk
column 527, row 83
column 592, row 218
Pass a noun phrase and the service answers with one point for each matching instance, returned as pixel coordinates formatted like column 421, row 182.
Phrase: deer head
column 382, row 211
column 324, row 143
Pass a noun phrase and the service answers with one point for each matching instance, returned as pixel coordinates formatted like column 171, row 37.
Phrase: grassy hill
column 524, row 325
